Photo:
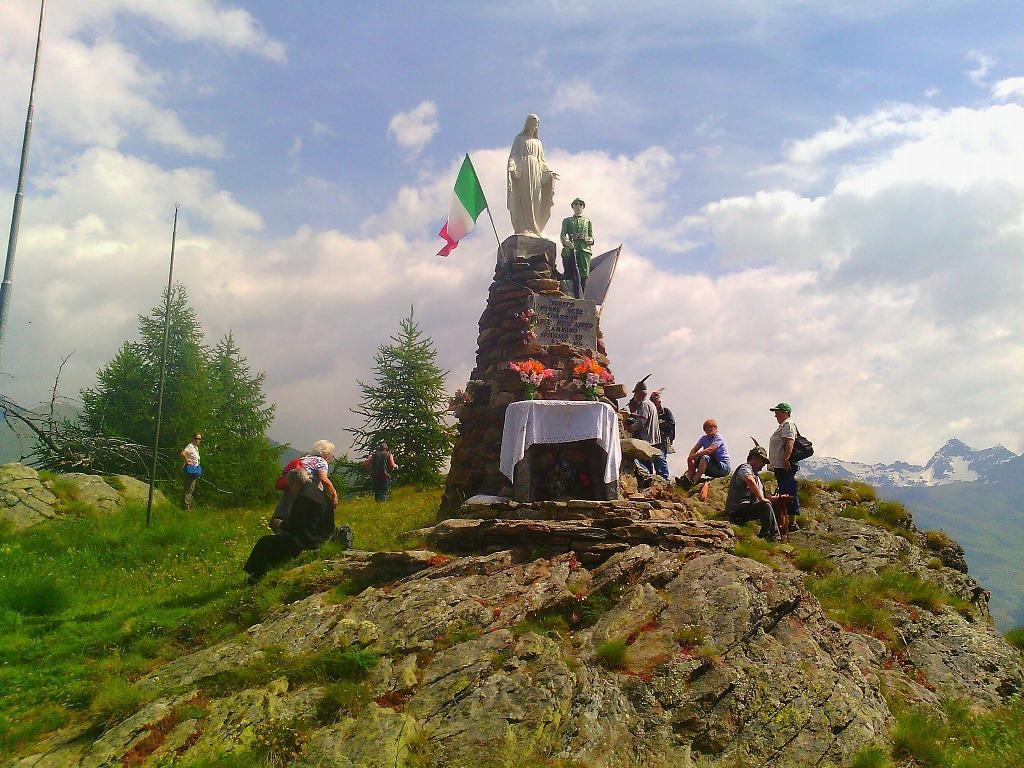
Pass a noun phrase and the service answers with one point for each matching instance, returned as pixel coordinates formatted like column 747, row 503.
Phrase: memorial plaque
column 563, row 320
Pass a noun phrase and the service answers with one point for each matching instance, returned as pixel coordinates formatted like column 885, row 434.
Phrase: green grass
column 852, row 490
column 873, row 756
column 813, row 561
column 1015, row 637
column 750, row 545
column 611, row 654
column 961, row 737
column 862, row 601
column 91, row 602
column 891, row 515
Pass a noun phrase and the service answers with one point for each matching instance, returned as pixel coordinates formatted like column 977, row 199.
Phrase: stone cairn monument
column 529, row 317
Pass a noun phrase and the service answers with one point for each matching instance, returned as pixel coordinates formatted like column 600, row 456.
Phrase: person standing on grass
column 192, row 469
column 381, row 463
column 317, row 463
column 780, row 449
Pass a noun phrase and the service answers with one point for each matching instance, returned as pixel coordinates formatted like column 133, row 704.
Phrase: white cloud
column 200, row 20
column 983, row 64
column 296, row 147
column 1009, row 89
column 415, row 129
column 321, row 129
column 95, row 91
column 575, row 95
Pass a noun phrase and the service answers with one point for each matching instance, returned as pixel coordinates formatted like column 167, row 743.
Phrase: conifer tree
column 210, row 391
column 405, row 406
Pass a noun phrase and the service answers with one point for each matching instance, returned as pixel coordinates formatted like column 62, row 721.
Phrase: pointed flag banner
column 468, row 203
column 602, row 269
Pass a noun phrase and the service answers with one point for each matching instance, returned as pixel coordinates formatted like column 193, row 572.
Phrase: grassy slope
column 89, row 603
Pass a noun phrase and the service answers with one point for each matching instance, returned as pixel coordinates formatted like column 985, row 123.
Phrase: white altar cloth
column 528, row 422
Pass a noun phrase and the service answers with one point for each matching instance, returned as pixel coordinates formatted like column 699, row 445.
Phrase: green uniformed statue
column 577, row 239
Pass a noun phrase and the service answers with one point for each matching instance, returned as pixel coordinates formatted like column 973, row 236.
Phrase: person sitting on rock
column 309, row 523
column 709, row 456
column 746, row 499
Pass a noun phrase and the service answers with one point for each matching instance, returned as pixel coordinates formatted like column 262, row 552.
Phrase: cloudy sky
column 821, row 202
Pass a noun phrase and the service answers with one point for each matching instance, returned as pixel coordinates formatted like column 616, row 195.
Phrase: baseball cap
column 782, row 407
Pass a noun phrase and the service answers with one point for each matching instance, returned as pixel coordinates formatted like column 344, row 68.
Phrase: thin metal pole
column 19, row 195
column 163, row 367
column 492, row 226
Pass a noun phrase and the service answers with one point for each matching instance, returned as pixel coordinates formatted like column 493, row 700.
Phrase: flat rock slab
column 580, row 536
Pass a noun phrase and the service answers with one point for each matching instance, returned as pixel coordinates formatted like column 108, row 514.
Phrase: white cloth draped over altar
column 529, row 422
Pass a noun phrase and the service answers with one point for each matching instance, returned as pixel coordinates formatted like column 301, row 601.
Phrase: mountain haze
column 973, row 495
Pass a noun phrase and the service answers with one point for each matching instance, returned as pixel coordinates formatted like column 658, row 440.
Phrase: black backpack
column 802, row 448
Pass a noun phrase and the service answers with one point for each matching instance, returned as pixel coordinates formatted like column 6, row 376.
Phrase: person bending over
column 317, row 464
column 309, row 523
column 746, row 499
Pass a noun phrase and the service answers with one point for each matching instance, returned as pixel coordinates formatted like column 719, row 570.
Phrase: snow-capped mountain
column 955, row 462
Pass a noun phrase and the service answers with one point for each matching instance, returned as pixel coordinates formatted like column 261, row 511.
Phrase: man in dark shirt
column 309, row 522
column 747, row 501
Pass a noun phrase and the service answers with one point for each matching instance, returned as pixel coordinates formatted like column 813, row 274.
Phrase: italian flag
column 467, row 204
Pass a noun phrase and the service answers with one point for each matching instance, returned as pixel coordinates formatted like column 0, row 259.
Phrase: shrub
column 611, row 654
column 115, row 699
column 919, row 736
column 1015, row 637
column 33, row 595
column 937, row 540
column 893, row 513
column 343, row 697
column 689, row 637
column 709, row 653
column 281, row 742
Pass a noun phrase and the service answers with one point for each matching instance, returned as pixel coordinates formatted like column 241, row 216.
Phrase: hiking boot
column 686, row 482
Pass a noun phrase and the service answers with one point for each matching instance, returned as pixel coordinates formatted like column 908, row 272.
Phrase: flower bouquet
column 526, row 320
column 591, row 374
column 532, row 373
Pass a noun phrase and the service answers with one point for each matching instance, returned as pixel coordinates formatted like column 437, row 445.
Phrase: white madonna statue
column 531, row 183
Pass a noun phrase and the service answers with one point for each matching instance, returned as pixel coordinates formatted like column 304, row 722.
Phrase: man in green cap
column 577, row 240
column 780, row 448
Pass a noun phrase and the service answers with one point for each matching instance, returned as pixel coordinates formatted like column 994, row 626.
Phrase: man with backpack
column 783, row 453
column 381, row 464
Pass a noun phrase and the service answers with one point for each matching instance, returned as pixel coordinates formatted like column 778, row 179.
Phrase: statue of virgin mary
column 531, row 183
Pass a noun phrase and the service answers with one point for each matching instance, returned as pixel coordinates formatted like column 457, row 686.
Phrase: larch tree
column 405, row 406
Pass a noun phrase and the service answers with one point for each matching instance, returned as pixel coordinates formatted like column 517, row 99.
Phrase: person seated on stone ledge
column 709, row 456
column 309, row 523
column 746, row 499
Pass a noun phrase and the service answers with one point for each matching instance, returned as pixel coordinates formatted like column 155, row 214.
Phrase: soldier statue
column 577, row 240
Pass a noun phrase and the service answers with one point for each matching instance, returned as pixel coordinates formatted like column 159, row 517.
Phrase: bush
column 115, row 699
column 32, row 595
column 893, row 513
column 611, row 654
column 343, row 697
column 936, row 541
column 689, row 637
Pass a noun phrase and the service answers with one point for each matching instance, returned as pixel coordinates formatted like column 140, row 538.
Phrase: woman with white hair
column 317, row 464
column 309, row 523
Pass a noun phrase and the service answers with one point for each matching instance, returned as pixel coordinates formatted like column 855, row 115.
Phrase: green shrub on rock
column 611, row 654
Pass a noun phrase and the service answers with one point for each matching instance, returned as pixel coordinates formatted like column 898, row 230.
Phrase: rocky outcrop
column 24, row 500
column 27, row 500
column 656, row 653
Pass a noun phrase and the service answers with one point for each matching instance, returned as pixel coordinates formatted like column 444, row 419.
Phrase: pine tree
column 210, row 391
column 405, row 406
column 236, row 449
